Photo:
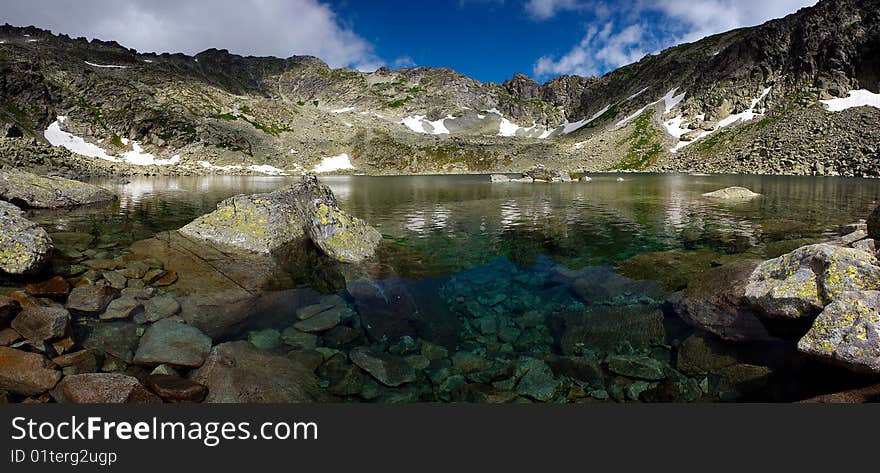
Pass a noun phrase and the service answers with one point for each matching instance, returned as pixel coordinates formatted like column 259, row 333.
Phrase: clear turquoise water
column 469, row 251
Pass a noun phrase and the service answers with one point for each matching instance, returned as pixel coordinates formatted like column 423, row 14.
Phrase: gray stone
column 41, row 324
column 847, row 332
column 299, row 340
column 116, row 280
column 341, row 236
column 499, row 178
column 123, row 308
column 173, row 343
column 536, row 380
column 389, row 370
column 325, row 320
column 90, row 300
column 135, row 270
column 161, row 307
column 325, row 303
column 238, row 372
column 268, row 339
column 113, row 339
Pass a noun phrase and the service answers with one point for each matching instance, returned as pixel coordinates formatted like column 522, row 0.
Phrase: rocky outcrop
column 33, row 191
column 801, row 283
column 24, row 246
column 264, row 223
column 238, row 372
column 847, row 332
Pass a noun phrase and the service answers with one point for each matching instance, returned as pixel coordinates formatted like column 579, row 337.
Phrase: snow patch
column 106, row 66
column 58, row 137
column 744, row 116
column 570, row 127
column 417, row 124
column 507, row 128
column 138, row 157
column 638, row 93
column 334, row 163
column 343, row 110
column 857, row 98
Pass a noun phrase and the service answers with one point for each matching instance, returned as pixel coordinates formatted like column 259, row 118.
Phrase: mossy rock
column 33, row 191
column 342, row 237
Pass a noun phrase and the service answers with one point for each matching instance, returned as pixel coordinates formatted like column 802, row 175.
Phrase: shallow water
column 491, row 271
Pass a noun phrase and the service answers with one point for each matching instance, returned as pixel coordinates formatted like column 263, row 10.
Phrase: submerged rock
column 173, row 343
column 847, row 332
column 40, row 324
column 388, row 369
column 238, row 372
column 801, row 283
column 387, row 309
column 31, row 190
column 536, row 380
column 55, row 288
column 717, row 303
column 102, row 388
column 26, row 373
column 732, row 193
column 9, row 307
column 639, row 367
column 851, row 396
column 90, row 300
column 24, row 246
column 176, row 389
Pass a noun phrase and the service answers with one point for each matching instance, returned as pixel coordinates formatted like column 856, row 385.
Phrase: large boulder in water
column 24, row 245
column 545, row 174
column 264, row 223
column 44, row 192
column 732, row 193
column 801, row 283
column 717, row 303
column 342, row 237
column 847, row 332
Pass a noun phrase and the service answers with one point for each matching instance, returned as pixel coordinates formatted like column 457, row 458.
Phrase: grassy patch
column 644, row 145
column 399, row 102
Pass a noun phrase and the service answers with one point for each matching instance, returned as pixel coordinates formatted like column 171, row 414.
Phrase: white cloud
column 252, row 27
column 623, row 40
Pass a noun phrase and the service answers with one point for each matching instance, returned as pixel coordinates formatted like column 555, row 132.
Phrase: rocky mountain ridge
column 748, row 100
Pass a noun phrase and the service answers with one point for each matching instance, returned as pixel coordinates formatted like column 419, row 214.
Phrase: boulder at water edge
column 847, row 332
column 24, row 246
column 31, row 190
column 263, row 223
column 801, row 283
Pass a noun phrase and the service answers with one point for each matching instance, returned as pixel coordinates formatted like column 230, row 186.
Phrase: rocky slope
column 748, row 100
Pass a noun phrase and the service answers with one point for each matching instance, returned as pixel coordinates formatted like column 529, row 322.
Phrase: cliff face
column 747, row 100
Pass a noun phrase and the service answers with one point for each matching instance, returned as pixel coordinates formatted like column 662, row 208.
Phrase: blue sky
column 486, row 39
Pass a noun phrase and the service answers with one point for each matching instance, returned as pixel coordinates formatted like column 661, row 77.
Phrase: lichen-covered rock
column 732, row 193
column 258, row 223
column 340, row 236
column 801, row 283
column 24, row 245
column 847, row 332
column 31, row 190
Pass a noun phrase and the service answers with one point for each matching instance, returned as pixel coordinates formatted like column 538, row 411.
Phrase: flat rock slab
column 388, row 369
column 123, row 308
column 90, row 300
column 847, row 333
column 161, row 307
column 42, row 323
column 31, row 190
column 325, row 320
column 102, row 388
column 116, row 339
column 173, row 343
column 26, row 373
column 238, row 372
column 536, row 380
